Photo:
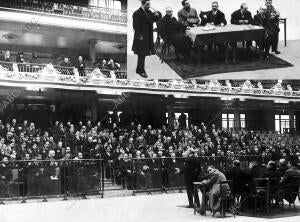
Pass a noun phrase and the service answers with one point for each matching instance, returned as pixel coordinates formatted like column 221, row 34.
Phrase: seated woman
column 173, row 32
column 212, row 181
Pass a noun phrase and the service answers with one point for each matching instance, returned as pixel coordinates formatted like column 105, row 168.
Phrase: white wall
column 288, row 9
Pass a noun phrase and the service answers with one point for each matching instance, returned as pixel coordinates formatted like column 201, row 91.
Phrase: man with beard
column 187, row 15
column 143, row 44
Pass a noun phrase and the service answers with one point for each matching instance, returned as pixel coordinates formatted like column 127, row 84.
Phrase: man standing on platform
column 191, row 172
column 273, row 16
column 261, row 20
column 187, row 15
column 143, row 44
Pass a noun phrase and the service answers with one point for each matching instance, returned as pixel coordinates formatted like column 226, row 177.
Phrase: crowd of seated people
column 173, row 30
column 80, row 64
column 133, row 152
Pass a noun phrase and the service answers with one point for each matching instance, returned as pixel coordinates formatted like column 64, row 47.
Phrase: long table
column 226, row 34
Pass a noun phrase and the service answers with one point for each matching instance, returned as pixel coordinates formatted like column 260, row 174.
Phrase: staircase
column 113, row 190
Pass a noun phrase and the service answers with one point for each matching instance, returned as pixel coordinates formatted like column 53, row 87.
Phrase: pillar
column 292, row 120
column 92, row 50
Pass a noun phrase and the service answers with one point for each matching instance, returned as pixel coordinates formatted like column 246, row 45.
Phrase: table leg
column 200, row 53
column 226, row 52
column 194, row 197
column 285, row 32
column 234, row 48
column 204, row 204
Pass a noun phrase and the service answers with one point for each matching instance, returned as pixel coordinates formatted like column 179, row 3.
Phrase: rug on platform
column 214, row 63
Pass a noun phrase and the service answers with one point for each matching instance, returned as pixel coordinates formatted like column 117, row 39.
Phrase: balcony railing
column 107, row 78
column 89, row 12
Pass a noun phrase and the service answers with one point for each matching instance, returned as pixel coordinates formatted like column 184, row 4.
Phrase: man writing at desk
column 188, row 15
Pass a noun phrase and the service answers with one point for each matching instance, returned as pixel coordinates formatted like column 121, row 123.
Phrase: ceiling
column 18, row 35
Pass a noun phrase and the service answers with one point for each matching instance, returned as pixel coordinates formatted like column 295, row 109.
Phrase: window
column 227, row 121
column 178, row 116
column 243, row 121
column 282, row 123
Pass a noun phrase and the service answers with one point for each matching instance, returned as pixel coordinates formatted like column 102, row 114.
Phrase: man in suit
column 215, row 16
column 80, row 65
column 262, row 20
column 242, row 17
column 143, row 44
column 241, row 179
column 273, row 16
column 191, row 171
column 173, row 31
column 187, row 15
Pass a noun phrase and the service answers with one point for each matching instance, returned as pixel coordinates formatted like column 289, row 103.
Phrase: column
column 292, row 125
column 92, row 50
column 94, row 109
column 237, row 119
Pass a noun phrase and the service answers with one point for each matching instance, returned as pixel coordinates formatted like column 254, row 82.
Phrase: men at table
column 273, row 16
column 262, row 20
column 215, row 16
column 188, row 15
column 173, row 31
column 143, row 44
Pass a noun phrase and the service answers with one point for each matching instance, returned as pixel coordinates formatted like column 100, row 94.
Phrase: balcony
column 85, row 12
column 52, row 76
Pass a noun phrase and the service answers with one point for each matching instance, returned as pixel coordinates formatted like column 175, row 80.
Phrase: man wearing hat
column 188, row 15
column 143, row 44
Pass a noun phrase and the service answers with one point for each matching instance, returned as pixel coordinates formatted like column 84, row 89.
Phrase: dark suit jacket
column 240, row 178
column 237, row 15
column 217, row 19
column 143, row 27
column 191, row 169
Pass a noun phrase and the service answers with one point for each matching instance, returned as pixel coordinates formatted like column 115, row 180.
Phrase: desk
column 196, row 185
column 283, row 21
column 227, row 34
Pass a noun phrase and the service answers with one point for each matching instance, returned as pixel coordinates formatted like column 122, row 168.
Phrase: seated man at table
column 212, row 182
column 242, row 17
column 188, row 15
column 273, row 16
column 215, row 16
column 262, row 20
column 174, row 32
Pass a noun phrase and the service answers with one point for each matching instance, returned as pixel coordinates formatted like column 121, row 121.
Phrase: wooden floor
column 146, row 208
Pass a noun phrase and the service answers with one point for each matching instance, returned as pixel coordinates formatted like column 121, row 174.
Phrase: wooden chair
column 226, row 198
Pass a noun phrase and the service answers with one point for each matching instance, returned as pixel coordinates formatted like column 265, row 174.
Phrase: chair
column 226, row 199
column 261, row 195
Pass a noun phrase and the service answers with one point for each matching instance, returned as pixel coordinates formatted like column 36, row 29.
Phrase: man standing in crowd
column 143, row 44
column 273, row 16
column 188, row 15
